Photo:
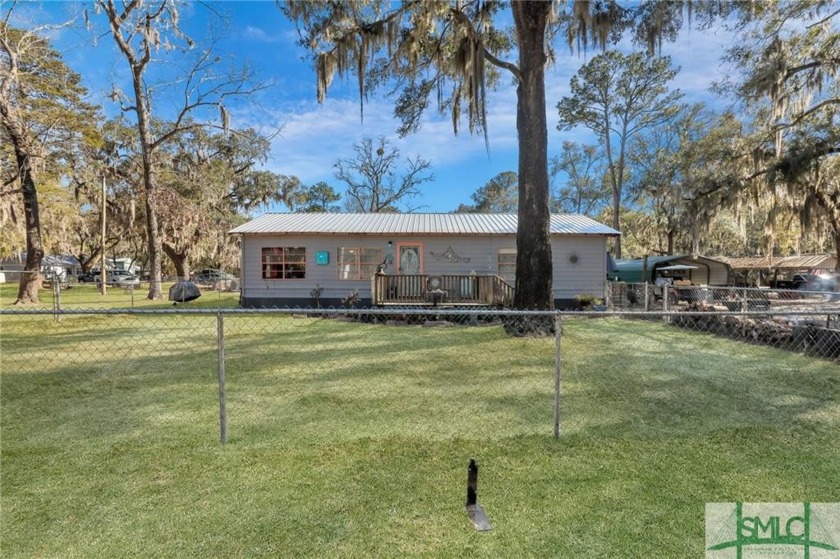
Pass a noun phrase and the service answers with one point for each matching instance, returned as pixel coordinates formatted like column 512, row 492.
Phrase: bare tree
column 139, row 29
column 375, row 182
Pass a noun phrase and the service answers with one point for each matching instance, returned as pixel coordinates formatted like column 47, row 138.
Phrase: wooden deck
column 441, row 290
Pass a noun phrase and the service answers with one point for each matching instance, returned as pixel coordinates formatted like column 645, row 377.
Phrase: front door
column 410, row 258
column 410, row 263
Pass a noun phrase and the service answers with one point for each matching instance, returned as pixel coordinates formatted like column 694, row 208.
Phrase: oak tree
column 584, row 190
column 43, row 118
column 452, row 51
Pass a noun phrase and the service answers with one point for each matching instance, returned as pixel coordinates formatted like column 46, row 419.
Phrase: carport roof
column 631, row 270
column 801, row 262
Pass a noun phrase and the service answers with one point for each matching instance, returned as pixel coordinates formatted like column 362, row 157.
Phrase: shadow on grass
column 301, row 379
column 662, row 381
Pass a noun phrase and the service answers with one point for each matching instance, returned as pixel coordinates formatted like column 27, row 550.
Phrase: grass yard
column 352, row 440
column 87, row 296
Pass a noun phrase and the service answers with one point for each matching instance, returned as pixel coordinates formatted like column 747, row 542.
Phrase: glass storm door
column 410, row 258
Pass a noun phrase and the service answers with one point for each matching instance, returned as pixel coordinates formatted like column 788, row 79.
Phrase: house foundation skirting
column 362, row 303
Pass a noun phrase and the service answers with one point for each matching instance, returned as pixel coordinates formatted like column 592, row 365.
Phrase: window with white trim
column 358, row 263
column 284, row 263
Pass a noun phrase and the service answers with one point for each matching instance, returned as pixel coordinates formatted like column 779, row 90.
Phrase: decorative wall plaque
column 448, row 255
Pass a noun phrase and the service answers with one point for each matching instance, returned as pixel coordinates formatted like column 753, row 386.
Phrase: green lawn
column 87, row 296
column 352, row 440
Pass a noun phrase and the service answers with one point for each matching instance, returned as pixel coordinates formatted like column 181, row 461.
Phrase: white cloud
column 252, row 33
column 314, row 137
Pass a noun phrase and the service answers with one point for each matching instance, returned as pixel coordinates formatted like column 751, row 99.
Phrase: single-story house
column 328, row 259
column 699, row 270
column 61, row 265
column 52, row 265
column 11, row 267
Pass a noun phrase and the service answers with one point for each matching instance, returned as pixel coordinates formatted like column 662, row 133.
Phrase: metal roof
column 632, row 270
column 636, row 264
column 802, row 262
column 413, row 224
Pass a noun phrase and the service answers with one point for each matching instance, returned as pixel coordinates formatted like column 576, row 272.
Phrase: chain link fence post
column 220, row 347
column 558, row 368
column 56, row 288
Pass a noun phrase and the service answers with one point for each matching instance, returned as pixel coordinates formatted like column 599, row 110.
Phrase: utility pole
column 103, row 274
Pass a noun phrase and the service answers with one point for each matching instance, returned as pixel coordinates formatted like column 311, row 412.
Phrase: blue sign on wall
column 322, row 257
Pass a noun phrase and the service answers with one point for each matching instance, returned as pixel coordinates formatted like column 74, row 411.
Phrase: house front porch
column 441, row 290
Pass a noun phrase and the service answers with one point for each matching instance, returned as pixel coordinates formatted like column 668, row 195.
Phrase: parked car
column 119, row 278
column 815, row 282
column 212, row 276
column 89, row 277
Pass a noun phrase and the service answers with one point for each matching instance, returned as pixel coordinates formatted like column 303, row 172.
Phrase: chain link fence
column 652, row 297
column 296, row 373
column 68, row 292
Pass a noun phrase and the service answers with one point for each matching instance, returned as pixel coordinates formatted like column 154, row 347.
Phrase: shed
column 330, row 260
column 699, row 270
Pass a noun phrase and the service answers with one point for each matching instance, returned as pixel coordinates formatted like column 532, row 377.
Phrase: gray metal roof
column 414, row 224
column 805, row 261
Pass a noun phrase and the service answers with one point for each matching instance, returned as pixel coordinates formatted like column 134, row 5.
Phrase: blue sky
column 313, row 136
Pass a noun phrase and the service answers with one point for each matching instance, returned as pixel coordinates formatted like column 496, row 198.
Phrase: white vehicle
column 54, row 273
column 119, row 278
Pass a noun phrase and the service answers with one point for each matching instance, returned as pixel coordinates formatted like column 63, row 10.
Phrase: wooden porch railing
column 442, row 290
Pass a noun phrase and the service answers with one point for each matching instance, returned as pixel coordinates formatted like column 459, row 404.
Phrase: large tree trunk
column 147, row 147
column 836, row 228
column 533, row 246
column 30, row 279
column 179, row 259
column 616, row 220
column 153, row 238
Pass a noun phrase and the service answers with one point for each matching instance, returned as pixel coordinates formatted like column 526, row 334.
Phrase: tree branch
column 512, row 68
column 828, row 17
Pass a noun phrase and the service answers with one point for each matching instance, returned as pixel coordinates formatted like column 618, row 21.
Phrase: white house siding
column 10, row 270
column 474, row 253
column 588, row 275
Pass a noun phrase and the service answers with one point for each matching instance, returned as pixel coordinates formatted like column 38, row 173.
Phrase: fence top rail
column 735, row 288
column 397, row 311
